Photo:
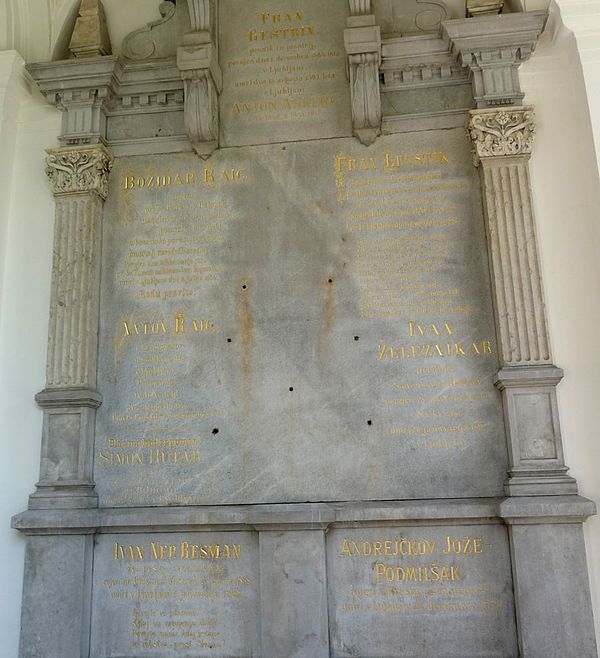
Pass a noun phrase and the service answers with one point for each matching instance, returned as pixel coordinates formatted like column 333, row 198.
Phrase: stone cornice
column 502, row 132
column 76, row 170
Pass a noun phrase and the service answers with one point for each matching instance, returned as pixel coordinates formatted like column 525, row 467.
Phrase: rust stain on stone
column 329, row 312
column 246, row 320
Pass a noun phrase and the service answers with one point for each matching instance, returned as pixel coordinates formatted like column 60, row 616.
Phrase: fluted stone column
column 79, row 179
column 543, row 512
column 503, row 140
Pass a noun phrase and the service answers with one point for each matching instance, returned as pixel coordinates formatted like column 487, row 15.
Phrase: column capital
column 80, row 169
column 501, row 132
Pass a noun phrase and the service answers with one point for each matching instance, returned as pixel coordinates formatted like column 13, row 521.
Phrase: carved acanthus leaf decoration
column 502, row 132
column 79, row 170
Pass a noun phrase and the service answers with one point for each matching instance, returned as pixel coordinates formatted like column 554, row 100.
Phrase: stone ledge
column 59, row 398
column 546, row 510
column 307, row 516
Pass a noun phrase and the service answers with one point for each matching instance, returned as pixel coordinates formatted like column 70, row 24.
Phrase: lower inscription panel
column 186, row 594
column 421, row 592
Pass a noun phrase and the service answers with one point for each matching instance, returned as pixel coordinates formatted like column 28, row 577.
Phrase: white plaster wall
column 567, row 201
column 25, row 295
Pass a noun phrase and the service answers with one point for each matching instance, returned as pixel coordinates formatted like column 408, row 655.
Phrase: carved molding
column 493, row 48
column 79, row 170
column 502, row 132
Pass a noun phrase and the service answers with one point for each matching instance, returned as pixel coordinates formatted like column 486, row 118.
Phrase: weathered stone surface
column 55, row 617
column 554, row 611
column 287, row 288
column 293, row 574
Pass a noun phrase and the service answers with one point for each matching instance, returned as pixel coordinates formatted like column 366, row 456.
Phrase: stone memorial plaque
column 186, row 594
column 278, row 314
column 284, row 71
column 281, row 362
column 421, row 592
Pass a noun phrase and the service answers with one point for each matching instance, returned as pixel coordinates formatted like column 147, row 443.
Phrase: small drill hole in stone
column 330, row 280
column 229, row 340
column 356, row 337
column 291, row 389
column 215, row 431
column 369, row 423
column 244, row 287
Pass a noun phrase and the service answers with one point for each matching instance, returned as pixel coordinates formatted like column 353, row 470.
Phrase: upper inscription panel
column 300, row 322
column 284, row 72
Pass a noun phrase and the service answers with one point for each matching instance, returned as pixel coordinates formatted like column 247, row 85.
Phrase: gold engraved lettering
column 398, row 161
column 414, row 328
column 463, row 545
column 189, row 551
column 122, row 552
column 163, row 551
column 132, row 181
column 429, row 573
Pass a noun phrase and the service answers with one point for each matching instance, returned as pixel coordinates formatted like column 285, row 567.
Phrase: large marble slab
column 298, row 322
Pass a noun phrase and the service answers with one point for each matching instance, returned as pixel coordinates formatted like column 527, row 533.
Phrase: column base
column 530, row 482
column 64, row 495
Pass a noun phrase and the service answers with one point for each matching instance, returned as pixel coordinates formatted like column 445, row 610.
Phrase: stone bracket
column 362, row 40
column 203, row 82
column 493, row 48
